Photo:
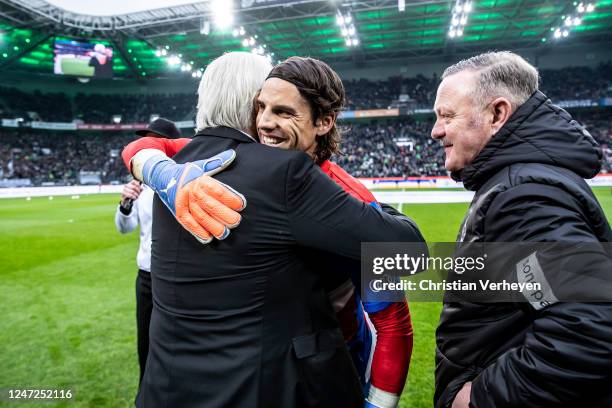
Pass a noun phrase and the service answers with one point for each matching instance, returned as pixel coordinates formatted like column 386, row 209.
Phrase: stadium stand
column 417, row 92
column 390, row 148
column 399, row 147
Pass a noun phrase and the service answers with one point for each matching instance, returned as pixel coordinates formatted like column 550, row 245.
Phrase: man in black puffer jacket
column 526, row 159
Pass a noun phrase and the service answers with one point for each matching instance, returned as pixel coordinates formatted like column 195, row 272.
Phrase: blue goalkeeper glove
column 204, row 206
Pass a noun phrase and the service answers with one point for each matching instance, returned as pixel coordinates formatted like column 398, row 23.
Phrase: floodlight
column 174, row 60
column 205, row 27
column 223, row 13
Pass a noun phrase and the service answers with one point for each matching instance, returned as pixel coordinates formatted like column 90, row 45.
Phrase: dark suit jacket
column 244, row 322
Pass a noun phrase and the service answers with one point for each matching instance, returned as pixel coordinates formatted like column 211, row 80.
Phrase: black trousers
column 144, row 307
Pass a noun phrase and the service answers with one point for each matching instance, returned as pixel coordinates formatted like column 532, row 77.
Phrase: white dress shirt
column 141, row 214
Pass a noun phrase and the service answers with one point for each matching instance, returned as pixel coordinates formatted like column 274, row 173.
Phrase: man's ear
column 501, row 111
column 324, row 124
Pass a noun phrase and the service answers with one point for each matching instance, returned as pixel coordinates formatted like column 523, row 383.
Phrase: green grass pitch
column 67, row 303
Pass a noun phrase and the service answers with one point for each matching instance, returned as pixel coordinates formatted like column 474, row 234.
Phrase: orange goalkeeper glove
column 204, row 206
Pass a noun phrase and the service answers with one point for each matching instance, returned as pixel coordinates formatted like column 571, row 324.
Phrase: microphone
column 128, row 203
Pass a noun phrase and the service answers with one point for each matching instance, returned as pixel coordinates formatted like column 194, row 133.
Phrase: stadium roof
column 115, row 7
column 146, row 39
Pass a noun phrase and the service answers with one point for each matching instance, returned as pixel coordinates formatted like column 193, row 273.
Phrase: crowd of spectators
column 390, row 148
column 91, row 108
column 417, row 92
column 45, row 157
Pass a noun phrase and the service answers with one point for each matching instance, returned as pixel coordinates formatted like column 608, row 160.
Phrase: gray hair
column 500, row 74
column 227, row 89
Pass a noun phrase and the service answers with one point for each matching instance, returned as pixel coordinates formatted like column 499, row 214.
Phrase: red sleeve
column 393, row 324
column 169, row 146
column 393, row 347
column 349, row 183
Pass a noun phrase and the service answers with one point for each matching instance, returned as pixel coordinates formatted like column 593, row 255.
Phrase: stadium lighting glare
column 571, row 20
column 223, row 13
column 174, row 60
column 347, row 29
column 459, row 18
column 251, row 42
column 238, row 31
column 158, row 53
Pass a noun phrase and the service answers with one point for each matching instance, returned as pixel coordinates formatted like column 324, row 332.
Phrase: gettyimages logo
column 405, row 264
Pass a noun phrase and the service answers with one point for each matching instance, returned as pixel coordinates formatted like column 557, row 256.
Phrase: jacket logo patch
column 528, row 270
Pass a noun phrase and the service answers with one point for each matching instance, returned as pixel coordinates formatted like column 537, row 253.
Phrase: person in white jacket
column 135, row 208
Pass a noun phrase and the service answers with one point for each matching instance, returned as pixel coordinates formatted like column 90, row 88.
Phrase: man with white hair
column 245, row 321
column 526, row 159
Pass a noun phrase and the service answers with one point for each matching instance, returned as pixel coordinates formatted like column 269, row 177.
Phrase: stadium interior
column 64, row 123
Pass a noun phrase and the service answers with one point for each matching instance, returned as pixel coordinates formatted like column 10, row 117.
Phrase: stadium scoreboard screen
column 83, row 59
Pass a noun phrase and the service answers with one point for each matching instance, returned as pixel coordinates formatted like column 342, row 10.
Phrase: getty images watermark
column 538, row 273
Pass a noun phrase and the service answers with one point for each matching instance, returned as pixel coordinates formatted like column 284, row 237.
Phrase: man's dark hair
column 323, row 89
